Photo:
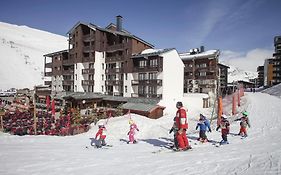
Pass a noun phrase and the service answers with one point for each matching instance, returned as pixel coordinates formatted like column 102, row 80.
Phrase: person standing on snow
column 131, row 133
column 224, row 125
column 243, row 124
column 182, row 125
column 101, row 134
column 175, row 130
column 203, row 125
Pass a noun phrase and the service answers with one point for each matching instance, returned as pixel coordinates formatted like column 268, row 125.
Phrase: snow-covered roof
column 152, row 52
column 140, row 106
column 206, row 54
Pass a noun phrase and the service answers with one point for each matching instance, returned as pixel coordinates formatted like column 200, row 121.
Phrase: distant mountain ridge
column 21, row 54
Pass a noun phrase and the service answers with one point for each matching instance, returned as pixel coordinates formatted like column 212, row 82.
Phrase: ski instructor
column 182, row 125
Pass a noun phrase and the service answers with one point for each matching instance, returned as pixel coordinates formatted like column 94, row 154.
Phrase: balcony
column 67, row 82
column 88, row 49
column 117, row 94
column 114, row 82
column 88, row 59
column 48, row 65
column 147, row 95
column 154, row 82
column 148, row 69
column 48, row 82
column 188, row 69
column 88, row 82
column 88, row 71
column 88, row 38
column 115, row 47
column 68, row 72
column 68, row 62
column 48, row 74
column 114, row 71
column 113, row 58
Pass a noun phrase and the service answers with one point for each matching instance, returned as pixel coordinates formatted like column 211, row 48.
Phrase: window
column 75, row 76
column 76, row 88
column 151, row 90
column 202, row 73
column 142, row 90
column 142, row 64
column 127, row 51
column 152, row 76
column 126, row 89
column 142, row 76
column 203, row 65
column 91, row 65
column 126, row 76
column 102, row 77
column 153, row 63
column 102, row 88
column 190, row 65
column 102, row 66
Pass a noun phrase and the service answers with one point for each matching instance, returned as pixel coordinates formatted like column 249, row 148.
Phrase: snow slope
column 275, row 90
column 21, row 54
column 260, row 153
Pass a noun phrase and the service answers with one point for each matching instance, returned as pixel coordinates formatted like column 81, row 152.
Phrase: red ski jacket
column 181, row 119
column 101, row 133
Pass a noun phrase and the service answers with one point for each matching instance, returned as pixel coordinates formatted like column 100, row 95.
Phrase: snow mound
column 275, row 90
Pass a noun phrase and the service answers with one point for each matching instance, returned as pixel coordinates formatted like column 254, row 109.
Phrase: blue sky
column 235, row 25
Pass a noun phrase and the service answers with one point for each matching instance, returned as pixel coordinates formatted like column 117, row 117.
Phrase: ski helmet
column 179, row 104
column 224, row 116
column 131, row 121
column 100, row 124
column 245, row 113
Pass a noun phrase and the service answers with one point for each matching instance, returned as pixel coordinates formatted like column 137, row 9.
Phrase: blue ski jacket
column 204, row 125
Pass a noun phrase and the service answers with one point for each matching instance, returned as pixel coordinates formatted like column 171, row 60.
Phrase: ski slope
column 259, row 153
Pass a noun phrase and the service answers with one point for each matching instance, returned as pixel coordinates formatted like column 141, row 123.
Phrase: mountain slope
column 21, row 54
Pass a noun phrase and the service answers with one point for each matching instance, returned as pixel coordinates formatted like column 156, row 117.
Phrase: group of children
column 101, row 134
column 179, row 129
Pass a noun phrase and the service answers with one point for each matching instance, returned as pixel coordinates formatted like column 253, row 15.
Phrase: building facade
column 277, row 61
column 268, row 72
column 202, row 72
column 260, row 80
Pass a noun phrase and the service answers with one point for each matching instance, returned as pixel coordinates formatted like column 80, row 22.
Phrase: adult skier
column 224, row 125
column 182, row 125
column 132, row 131
column 203, row 125
column 101, row 135
column 244, row 124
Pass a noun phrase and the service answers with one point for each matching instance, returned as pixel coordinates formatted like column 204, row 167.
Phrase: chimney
column 119, row 23
column 202, row 49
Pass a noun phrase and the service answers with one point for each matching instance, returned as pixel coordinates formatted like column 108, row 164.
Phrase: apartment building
column 97, row 59
column 202, row 72
column 261, row 76
column 268, row 72
column 277, row 61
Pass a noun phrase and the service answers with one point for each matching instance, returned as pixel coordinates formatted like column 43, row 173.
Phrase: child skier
column 131, row 133
column 102, row 135
column 243, row 124
column 175, row 130
column 203, row 125
column 224, row 125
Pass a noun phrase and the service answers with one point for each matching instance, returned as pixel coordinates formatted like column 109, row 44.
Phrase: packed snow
column 21, row 54
column 259, row 153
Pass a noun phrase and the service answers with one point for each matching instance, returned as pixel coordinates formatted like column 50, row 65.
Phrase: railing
column 88, row 48
column 68, row 72
column 157, row 82
column 88, row 37
column 48, row 82
column 88, row 71
column 88, row 82
column 68, row 61
column 146, row 95
column 113, row 82
column 67, row 82
column 148, row 69
column 115, row 47
column 48, row 65
column 114, row 71
column 117, row 94
column 113, row 58
column 48, row 74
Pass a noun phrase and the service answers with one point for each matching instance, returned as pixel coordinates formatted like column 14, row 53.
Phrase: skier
column 182, row 125
column 131, row 133
column 224, row 125
column 102, row 135
column 243, row 124
column 175, row 130
column 203, row 125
